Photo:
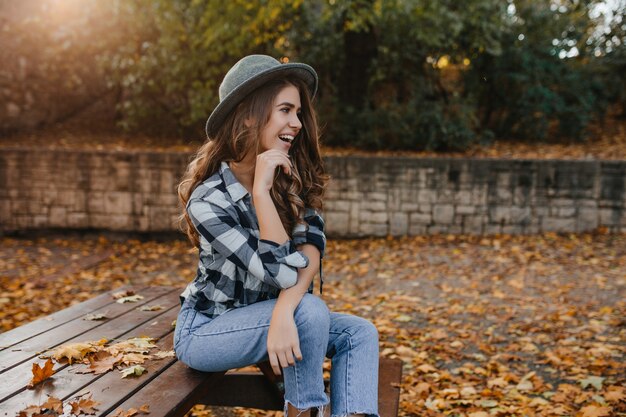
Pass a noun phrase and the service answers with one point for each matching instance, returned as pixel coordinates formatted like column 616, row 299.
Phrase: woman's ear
column 248, row 122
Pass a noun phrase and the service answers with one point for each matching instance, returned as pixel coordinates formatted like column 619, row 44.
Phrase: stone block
column 426, row 196
column 473, row 224
column 492, row 229
column 465, row 209
column 123, row 222
column 40, row 221
column 58, row 216
column 398, row 224
column 337, row 223
column 167, row 199
column 95, row 202
column 463, row 198
column 378, row 217
column 425, row 208
column 355, row 217
column 77, row 220
column 443, row 214
column 118, row 203
column 445, row 196
column 407, row 207
column 437, row 229
column 587, row 219
column 512, row 229
column 419, row 218
column 610, row 216
column 566, row 211
column 418, row 229
column 374, row 205
column 377, row 196
column 338, row 205
column 557, row 224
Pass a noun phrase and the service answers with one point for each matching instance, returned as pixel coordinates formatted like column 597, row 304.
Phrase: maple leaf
column 84, row 406
column 53, row 404
column 136, row 370
column 594, row 381
column 595, row 411
column 101, row 362
column 615, row 394
column 74, row 351
column 41, row 374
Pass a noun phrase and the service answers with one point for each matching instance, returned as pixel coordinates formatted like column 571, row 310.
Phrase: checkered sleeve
column 273, row 263
column 312, row 232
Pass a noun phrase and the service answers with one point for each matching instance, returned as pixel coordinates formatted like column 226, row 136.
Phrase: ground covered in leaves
column 486, row 326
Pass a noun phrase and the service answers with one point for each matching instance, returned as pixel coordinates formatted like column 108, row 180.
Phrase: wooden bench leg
column 266, row 391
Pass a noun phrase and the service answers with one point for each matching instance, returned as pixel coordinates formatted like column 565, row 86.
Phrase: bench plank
column 133, row 323
column 66, row 383
column 44, row 324
column 70, row 330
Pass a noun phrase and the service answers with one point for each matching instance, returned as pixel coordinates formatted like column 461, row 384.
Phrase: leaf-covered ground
column 486, row 326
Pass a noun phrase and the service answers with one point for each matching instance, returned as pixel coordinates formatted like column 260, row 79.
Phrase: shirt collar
column 234, row 187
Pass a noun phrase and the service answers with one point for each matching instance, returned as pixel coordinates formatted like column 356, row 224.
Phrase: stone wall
column 368, row 196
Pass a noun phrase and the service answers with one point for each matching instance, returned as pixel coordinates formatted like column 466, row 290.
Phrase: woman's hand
column 283, row 343
column 265, row 170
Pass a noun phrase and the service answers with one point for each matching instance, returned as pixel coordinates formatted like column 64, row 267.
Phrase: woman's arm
column 283, row 343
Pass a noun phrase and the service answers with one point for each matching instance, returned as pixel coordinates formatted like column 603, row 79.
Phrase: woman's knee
column 312, row 311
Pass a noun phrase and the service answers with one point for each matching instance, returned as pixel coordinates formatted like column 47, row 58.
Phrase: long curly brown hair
column 306, row 186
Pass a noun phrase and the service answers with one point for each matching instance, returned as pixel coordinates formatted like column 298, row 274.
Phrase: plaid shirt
column 236, row 268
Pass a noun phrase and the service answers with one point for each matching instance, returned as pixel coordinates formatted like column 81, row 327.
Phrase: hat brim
column 226, row 105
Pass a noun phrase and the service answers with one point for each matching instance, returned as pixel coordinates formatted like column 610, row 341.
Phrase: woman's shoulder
column 211, row 189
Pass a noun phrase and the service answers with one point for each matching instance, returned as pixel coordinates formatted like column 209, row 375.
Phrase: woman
column 252, row 198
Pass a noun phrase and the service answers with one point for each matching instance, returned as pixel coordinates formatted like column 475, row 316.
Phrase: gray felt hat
column 250, row 73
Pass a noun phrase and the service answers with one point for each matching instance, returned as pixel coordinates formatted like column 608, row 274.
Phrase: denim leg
column 353, row 349
column 304, row 381
column 238, row 338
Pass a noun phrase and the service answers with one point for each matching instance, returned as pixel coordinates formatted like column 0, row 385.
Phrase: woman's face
column 284, row 123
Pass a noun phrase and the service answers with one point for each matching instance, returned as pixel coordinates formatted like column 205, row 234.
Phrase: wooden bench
column 169, row 387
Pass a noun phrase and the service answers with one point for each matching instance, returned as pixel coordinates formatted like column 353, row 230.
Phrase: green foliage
column 396, row 74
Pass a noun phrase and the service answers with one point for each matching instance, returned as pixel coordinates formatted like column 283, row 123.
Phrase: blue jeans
column 238, row 338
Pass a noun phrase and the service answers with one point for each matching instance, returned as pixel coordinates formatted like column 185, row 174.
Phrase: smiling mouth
column 286, row 138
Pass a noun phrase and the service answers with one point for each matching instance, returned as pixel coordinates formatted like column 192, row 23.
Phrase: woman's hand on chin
column 266, row 164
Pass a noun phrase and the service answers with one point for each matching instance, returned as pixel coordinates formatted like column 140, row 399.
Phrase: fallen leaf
column 151, row 308
column 41, row 374
column 130, row 299
column 594, row 381
column 615, row 394
column 595, row 411
column 122, row 294
column 74, row 351
column 53, row 404
column 84, row 406
column 136, row 370
column 94, row 317
column 163, row 355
